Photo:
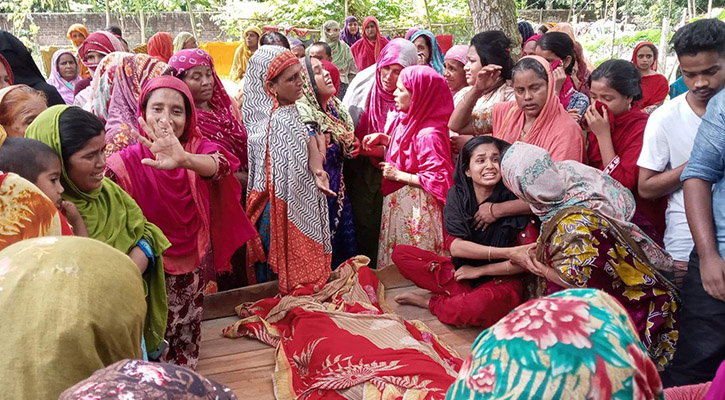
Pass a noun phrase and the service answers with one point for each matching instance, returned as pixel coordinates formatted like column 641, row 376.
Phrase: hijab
column 191, row 212
column 410, row 33
column 348, row 37
column 334, row 75
column 575, row 344
column 23, row 67
column 532, row 38
column 161, row 46
column 243, row 54
column 102, row 42
column 526, row 30
column 653, row 67
column 341, row 54
column 458, row 53
column 180, row 40
column 69, row 307
column 365, row 52
column 65, row 88
column 112, row 217
column 80, row 28
column 436, row 55
column 380, row 102
column 219, row 125
column 553, row 130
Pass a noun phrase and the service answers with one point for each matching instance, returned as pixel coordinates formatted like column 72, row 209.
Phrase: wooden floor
column 246, row 365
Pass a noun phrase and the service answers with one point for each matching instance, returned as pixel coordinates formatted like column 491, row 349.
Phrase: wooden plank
column 236, row 362
column 222, row 304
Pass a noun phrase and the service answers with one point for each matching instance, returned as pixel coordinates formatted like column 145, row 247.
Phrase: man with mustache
column 672, row 153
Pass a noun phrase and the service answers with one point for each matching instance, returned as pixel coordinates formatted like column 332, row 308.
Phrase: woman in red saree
column 161, row 46
column 616, row 132
column 655, row 86
column 174, row 174
column 366, row 51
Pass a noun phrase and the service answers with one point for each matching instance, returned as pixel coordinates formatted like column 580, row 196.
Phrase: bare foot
column 412, row 299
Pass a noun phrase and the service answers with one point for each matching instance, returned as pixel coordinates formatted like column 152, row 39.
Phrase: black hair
column 26, row 157
column 274, row 39
column 115, row 30
column 526, row 30
column 77, row 126
column 471, row 145
column 493, row 48
column 621, row 76
column 328, row 49
column 427, row 41
column 530, row 64
column 560, row 44
column 703, row 35
column 543, row 29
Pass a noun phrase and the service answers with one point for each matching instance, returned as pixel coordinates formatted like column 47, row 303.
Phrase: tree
column 497, row 14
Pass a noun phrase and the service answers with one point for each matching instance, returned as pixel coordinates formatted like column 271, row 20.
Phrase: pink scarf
column 419, row 142
column 191, row 212
column 218, row 125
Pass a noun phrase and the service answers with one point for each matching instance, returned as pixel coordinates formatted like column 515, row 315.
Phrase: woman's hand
column 164, row 144
column 598, row 123
column 484, row 216
column 468, row 272
column 355, row 148
column 390, row 172
column 486, row 78
column 559, row 78
column 458, row 141
column 322, row 181
column 574, row 114
column 375, row 139
column 525, row 257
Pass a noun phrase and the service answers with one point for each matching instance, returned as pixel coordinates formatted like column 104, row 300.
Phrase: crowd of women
column 486, row 182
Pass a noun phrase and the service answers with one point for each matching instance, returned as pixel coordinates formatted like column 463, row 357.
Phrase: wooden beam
column 222, row 304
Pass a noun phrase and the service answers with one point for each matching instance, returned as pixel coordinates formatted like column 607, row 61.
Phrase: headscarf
column 102, row 42
column 549, row 186
column 379, row 102
column 575, row 344
column 161, row 46
column 294, row 42
column 419, row 138
column 130, row 379
column 219, row 125
column 341, row 54
column 80, row 28
column 458, row 53
column 334, row 75
column 191, row 212
column 533, row 38
column 23, row 68
column 410, row 33
column 311, row 110
column 553, row 130
column 65, row 88
column 348, row 37
column 243, row 54
column 436, row 55
column 69, row 306
column 526, row 30
column 27, row 211
column 180, row 40
column 365, row 52
column 115, row 91
column 653, row 67
column 114, row 218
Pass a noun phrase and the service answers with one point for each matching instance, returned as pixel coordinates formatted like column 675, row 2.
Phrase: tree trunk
column 614, row 25
column 497, row 14
column 192, row 21
column 142, row 24
column 571, row 12
column 662, row 62
column 427, row 13
column 709, row 8
column 108, row 13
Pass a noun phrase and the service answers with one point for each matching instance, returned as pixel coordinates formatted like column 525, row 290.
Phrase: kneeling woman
column 588, row 241
column 417, row 171
column 475, row 286
column 174, row 174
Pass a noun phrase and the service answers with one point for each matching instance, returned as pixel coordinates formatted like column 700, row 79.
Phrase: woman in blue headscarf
column 429, row 53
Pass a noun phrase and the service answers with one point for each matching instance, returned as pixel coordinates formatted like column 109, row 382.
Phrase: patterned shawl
column 161, row 46
column 114, row 218
column 341, row 53
column 348, row 37
column 65, row 88
column 101, row 42
column 115, row 92
column 193, row 213
column 575, row 344
column 339, row 128
column 242, row 55
column 436, row 55
column 300, row 250
column 180, row 41
column 69, row 307
column 365, row 52
column 219, row 125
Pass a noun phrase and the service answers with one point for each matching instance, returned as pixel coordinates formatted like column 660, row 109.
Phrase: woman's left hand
column 559, row 78
column 484, row 216
column 598, row 123
column 467, row 272
column 322, row 181
column 164, row 144
column 390, row 172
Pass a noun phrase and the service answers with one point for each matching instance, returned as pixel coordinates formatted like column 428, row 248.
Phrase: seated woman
column 325, row 117
column 536, row 116
column 558, row 49
column 109, row 213
column 456, row 58
column 655, row 86
column 478, row 284
column 19, row 106
column 577, row 344
column 64, row 74
column 616, row 133
column 428, row 51
column 417, row 171
column 69, row 306
column 189, row 193
column 473, row 115
column 587, row 240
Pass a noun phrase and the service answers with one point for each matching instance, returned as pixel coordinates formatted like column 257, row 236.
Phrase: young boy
column 38, row 163
column 671, row 129
column 697, row 158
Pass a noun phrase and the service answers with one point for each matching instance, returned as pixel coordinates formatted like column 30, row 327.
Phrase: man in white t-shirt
column 668, row 141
